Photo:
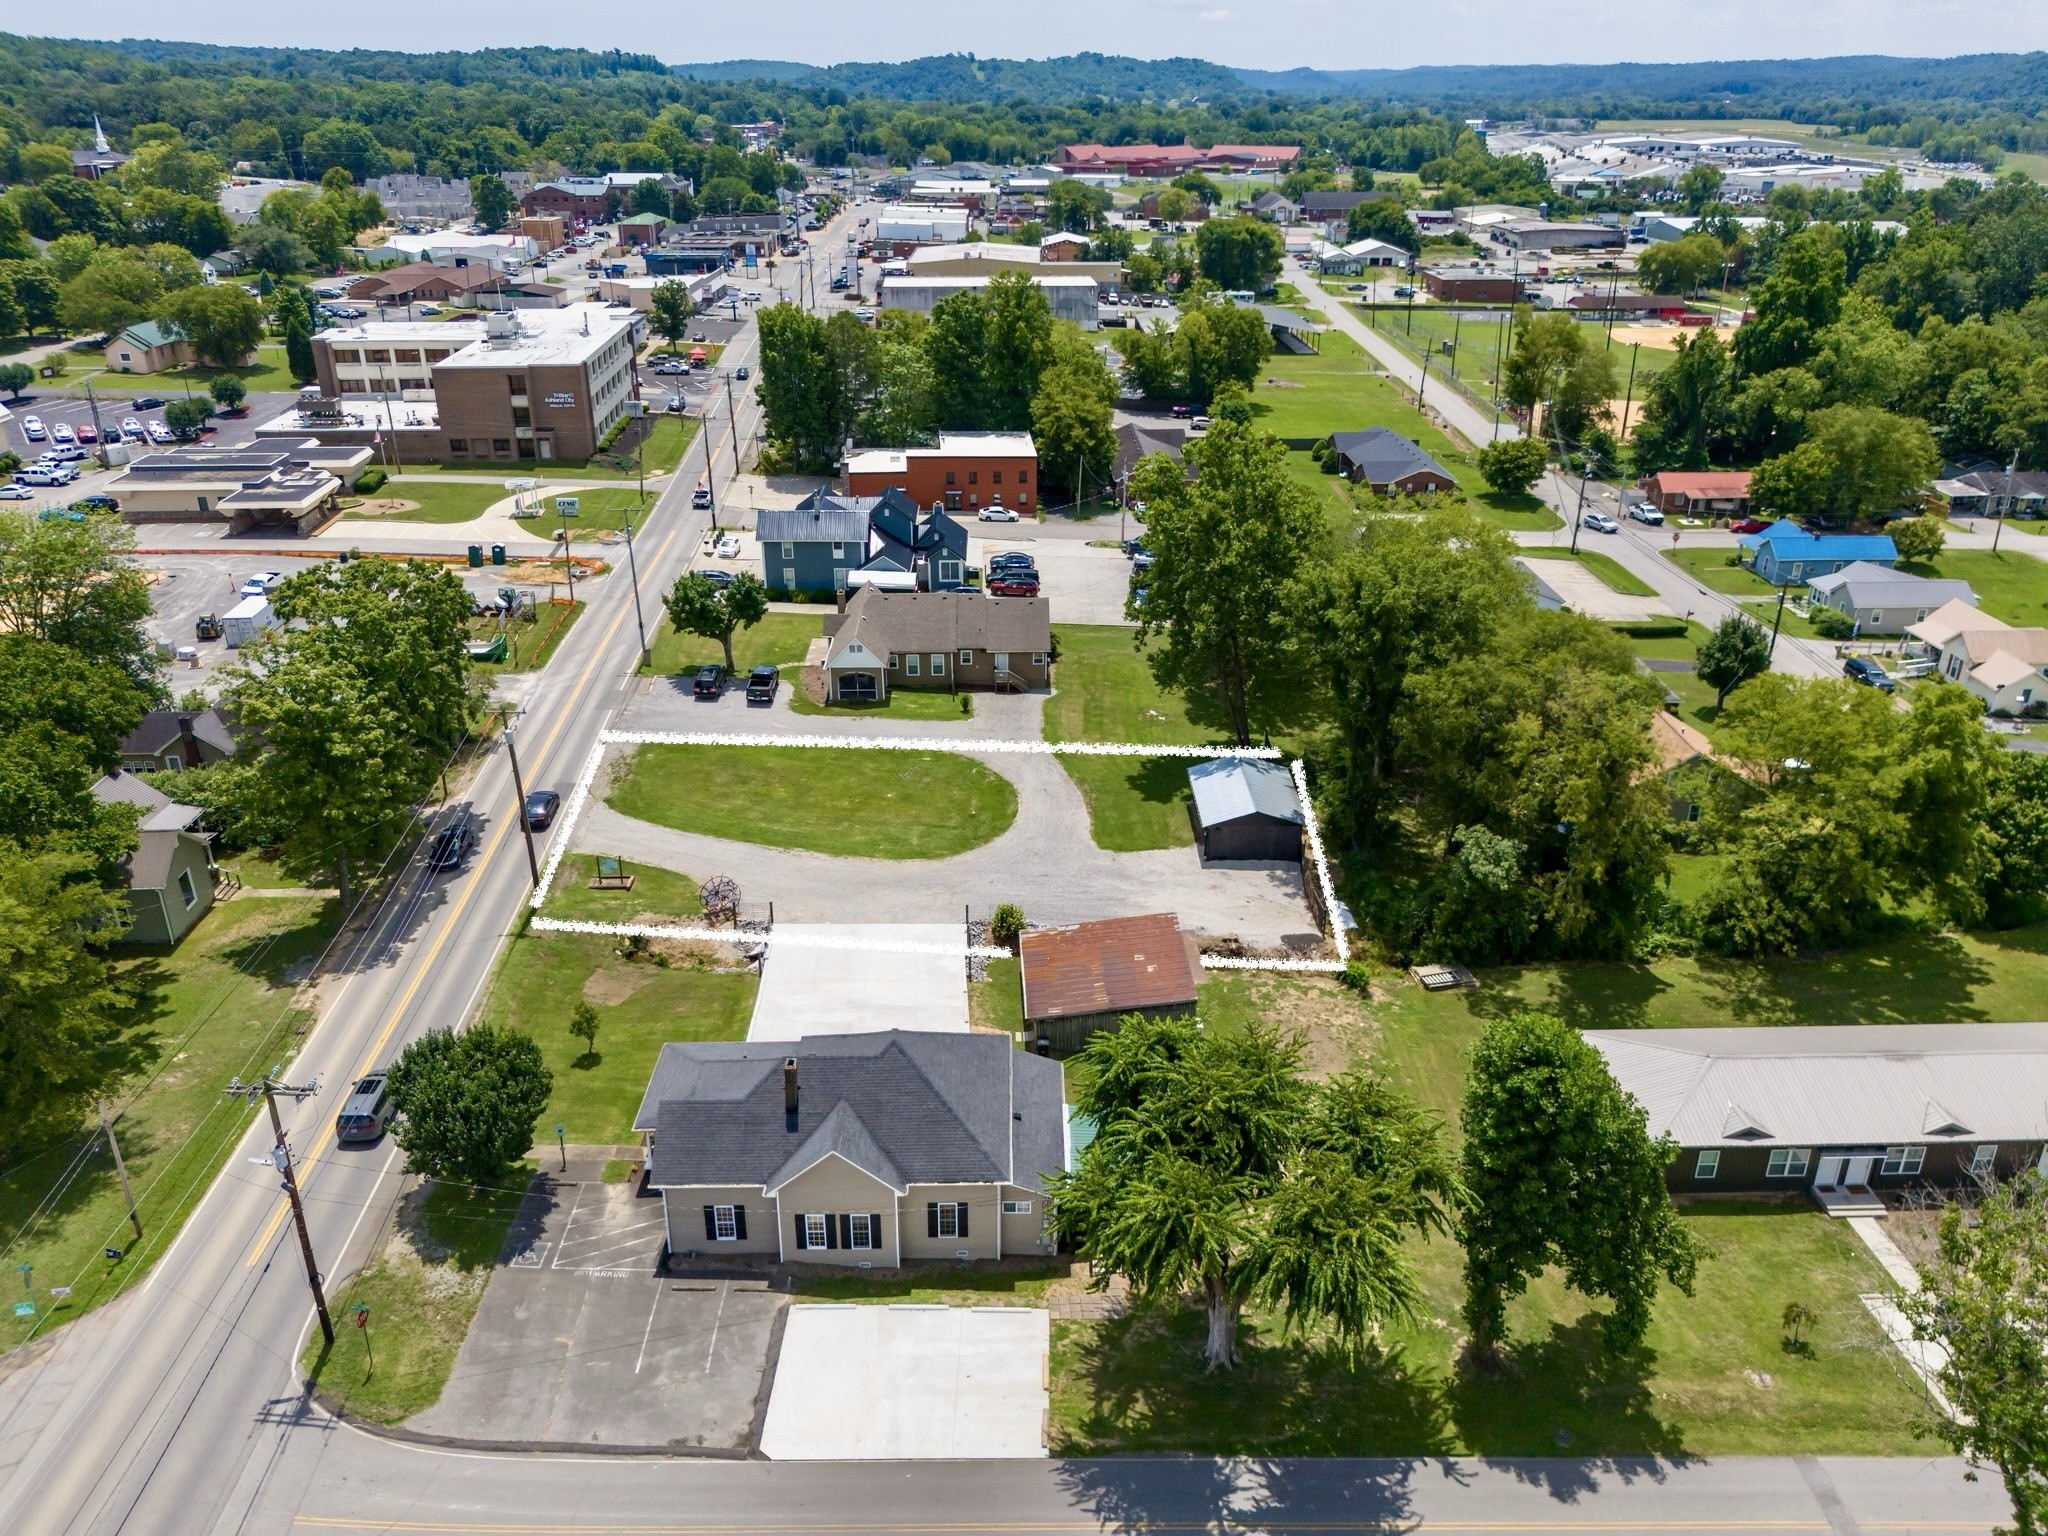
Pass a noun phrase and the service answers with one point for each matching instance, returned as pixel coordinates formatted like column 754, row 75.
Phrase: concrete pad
column 1584, row 592
column 1086, row 585
column 909, row 1383
column 858, row 986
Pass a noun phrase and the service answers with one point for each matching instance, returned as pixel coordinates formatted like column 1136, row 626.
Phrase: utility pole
column 1585, row 474
column 732, row 413
column 1998, row 522
column 1775, row 622
column 1628, row 400
column 519, row 789
column 120, row 1169
column 92, row 403
column 281, row 1156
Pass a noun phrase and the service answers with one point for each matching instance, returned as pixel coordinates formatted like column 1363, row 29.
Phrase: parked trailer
column 246, row 620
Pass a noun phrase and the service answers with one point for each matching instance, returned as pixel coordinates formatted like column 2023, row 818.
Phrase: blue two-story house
column 829, row 537
column 1786, row 555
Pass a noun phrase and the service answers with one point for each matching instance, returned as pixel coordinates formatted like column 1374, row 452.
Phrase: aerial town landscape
column 1087, row 794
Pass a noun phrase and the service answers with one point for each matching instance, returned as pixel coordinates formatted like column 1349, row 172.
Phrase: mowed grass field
column 874, row 805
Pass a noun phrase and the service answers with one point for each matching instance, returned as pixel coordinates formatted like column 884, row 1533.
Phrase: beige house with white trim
column 2004, row 667
column 869, row 1150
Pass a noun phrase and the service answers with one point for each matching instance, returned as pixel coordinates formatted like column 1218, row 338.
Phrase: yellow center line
column 469, row 886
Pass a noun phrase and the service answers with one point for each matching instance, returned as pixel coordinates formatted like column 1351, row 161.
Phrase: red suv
column 1009, row 584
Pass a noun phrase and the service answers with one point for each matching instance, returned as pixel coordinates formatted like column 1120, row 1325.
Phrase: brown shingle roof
column 941, row 621
column 1113, row 966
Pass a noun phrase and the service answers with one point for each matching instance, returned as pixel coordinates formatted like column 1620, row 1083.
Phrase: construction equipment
column 208, row 627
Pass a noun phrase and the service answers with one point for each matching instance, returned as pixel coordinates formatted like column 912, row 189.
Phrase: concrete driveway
column 909, row 1383
column 1584, row 592
column 852, row 988
column 577, row 1341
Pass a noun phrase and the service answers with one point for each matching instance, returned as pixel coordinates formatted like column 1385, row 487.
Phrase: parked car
column 1200, row 424
column 99, row 501
column 1011, row 559
column 541, row 805
column 40, row 474
column 262, row 584
column 70, row 453
column 1183, row 412
column 63, row 434
column 761, row 685
column 1403, row 291
column 1643, row 512
column 727, row 547
column 1861, row 669
column 1748, row 525
column 996, row 513
column 709, row 682
column 159, row 433
column 366, row 1112
column 131, row 428
column 33, row 429
column 17, row 493
column 1599, row 522
column 716, row 577
column 153, row 402
column 88, row 433
column 451, row 845
column 669, row 366
column 1013, row 584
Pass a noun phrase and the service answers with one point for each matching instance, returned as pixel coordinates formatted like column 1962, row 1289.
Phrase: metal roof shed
column 1245, row 810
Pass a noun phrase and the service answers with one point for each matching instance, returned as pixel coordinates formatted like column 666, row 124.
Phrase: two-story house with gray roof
column 872, row 1149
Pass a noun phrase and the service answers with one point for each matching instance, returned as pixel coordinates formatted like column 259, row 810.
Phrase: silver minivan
column 366, row 1112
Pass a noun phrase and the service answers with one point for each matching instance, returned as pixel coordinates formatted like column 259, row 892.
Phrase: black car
column 148, row 403
column 716, row 577
column 741, row 372
column 451, row 845
column 710, row 682
column 1012, row 560
column 761, row 685
column 97, row 502
column 1861, row 669
column 366, row 1112
column 541, row 805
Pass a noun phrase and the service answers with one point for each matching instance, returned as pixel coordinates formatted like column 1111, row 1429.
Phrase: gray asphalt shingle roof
column 907, row 1107
column 1384, row 455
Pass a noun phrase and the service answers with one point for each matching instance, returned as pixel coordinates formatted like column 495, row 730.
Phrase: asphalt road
column 179, row 1409
column 166, row 1411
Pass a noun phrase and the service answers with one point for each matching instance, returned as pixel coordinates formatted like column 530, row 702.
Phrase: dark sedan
column 709, row 682
column 541, row 806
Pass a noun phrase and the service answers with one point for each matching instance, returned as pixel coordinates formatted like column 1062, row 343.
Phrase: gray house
column 869, row 1150
column 1848, row 1112
column 813, row 546
column 1883, row 601
column 170, row 874
column 1245, row 808
column 172, row 739
column 1388, row 463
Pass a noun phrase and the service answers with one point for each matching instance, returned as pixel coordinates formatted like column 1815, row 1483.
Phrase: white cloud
column 1213, row 16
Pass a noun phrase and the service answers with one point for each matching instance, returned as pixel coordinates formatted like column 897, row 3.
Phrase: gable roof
column 150, row 334
column 1876, row 586
column 1835, row 1085
column 1229, row 788
column 162, row 728
column 123, row 788
column 1950, row 620
column 1711, row 484
column 1787, row 540
column 906, row 1107
column 1112, row 966
column 833, row 521
column 1384, row 455
column 939, row 621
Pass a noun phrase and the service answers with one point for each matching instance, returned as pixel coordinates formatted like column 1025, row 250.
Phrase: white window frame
column 952, row 570
column 816, row 1233
column 1984, row 1160
column 949, row 1219
column 938, row 660
column 789, row 578
column 188, row 889
column 1902, row 1162
column 725, row 1224
column 912, row 660
column 1038, row 658
column 788, row 550
column 1708, row 1164
column 1787, row 1163
column 1016, row 1207
column 838, row 551
column 966, row 658
column 861, row 1231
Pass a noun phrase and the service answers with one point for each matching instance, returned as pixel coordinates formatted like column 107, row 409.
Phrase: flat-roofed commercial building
column 987, row 258
column 1071, row 298
column 280, row 484
column 516, row 385
column 964, row 472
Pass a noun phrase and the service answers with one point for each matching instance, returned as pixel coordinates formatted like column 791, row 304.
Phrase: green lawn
column 856, row 804
column 1716, row 570
column 422, row 1291
column 1105, row 692
column 1712, row 1379
column 902, row 704
column 929, row 1285
column 218, row 1006
column 779, row 640
column 658, row 895
column 666, row 442
column 449, row 501
column 998, row 1001
column 1514, row 514
column 1606, row 567
column 267, row 374
column 640, row 1004
column 2011, row 587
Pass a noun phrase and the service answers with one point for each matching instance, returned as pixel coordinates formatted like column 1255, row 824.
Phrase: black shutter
column 875, row 1230
column 845, row 1230
column 962, row 1209
column 931, row 1219
column 710, row 1224
column 739, row 1222
column 800, row 1231
column 831, row 1231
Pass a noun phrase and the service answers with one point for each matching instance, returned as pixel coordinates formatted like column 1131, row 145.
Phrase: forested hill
column 966, row 77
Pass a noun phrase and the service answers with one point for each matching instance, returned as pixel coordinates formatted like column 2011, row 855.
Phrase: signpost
column 363, row 1322
column 566, row 506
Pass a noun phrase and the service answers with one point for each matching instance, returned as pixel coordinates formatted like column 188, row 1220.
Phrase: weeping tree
column 1217, row 1169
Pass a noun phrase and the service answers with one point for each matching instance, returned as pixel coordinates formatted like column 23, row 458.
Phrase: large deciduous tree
column 1513, row 464
column 1217, row 1168
column 1072, row 417
column 492, row 200
column 1230, row 547
column 1239, row 253
column 1854, row 462
column 1800, row 298
column 1736, row 651
column 1559, row 367
column 1560, row 1168
column 698, row 607
column 73, row 584
column 1685, row 408
column 468, row 1102
column 670, row 311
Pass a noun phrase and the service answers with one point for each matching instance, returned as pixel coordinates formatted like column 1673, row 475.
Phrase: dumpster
column 476, row 555
column 492, row 649
column 497, row 554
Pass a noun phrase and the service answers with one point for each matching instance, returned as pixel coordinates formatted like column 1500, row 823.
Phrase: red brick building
column 965, row 472
column 588, row 201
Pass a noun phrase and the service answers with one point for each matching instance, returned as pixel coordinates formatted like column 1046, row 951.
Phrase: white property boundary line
column 579, row 797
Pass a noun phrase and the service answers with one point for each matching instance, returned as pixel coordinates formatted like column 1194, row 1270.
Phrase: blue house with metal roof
column 829, row 536
column 1785, row 554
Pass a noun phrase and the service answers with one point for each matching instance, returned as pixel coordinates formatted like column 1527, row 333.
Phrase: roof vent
column 1937, row 1121
column 1740, row 1125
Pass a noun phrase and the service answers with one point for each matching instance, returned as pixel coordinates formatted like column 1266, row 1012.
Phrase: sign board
column 565, row 506
column 516, row 486
column 561, row 400
column 60, row 1291
column 24, row 1309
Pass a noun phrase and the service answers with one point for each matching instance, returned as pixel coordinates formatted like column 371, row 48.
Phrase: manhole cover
column 530, row 1257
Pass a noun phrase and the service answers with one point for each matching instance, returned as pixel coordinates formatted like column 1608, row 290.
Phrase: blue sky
column 1265, row 34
